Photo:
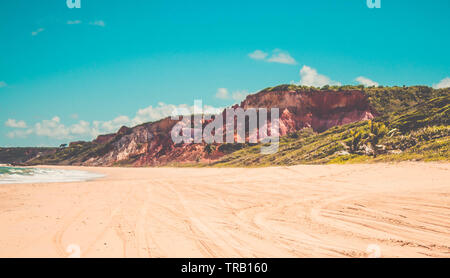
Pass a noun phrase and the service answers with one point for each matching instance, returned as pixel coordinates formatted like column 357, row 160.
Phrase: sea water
column 41, row 175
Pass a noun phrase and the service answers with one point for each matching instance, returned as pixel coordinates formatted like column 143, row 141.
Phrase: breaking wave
column 40, row 175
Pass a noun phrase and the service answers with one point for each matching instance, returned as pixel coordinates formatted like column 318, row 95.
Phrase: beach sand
column 387, row 210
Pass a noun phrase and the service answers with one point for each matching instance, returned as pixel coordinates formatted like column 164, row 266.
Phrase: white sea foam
column 10, row 175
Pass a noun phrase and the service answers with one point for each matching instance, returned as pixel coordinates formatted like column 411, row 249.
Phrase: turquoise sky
column 70, row 74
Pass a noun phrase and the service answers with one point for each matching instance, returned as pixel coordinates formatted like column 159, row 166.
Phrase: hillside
column 150, row 144
column 22, row 155
column 421, row 132
column 331, row 124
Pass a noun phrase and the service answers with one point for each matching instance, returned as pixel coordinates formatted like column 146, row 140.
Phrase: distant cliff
column 150, row 144
column 20, row 156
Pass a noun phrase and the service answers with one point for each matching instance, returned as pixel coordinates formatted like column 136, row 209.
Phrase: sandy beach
column 387, row 210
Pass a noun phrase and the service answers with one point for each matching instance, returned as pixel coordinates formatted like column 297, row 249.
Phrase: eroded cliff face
column 318, row 110
column 151, row 144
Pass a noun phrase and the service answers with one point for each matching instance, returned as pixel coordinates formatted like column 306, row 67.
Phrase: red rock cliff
column 318, row 110
column 151, row 143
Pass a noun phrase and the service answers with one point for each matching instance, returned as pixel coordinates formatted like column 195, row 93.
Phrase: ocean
column 40, row 175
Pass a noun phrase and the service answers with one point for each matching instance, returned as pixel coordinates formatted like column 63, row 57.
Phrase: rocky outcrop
column 319, row 110
column 102, row 139
column 150, row 144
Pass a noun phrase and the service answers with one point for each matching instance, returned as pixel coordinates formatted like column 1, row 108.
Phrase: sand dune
column 387, row 210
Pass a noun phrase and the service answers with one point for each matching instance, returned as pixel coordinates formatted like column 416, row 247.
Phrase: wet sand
column 397, row 210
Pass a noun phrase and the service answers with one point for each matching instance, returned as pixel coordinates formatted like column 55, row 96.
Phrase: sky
column 71, row 74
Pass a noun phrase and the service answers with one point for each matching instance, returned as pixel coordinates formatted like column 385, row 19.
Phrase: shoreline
column 47, row 174
column 294, row 211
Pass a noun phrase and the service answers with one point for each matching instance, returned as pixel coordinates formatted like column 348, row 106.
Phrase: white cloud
column 444, row 83
column 100, row 23
column 15, row 124
column 73, row 22
column 282, row 57
column 151, row 113
column 80, row 128
column 53, row 128
column 258, row 55
column 366, row 81
column 113, row 125
column 277, row 56
column 239, row 95
column 3, row 84
column 35, row 33
column 310, row 77
column 222, row 93
column 19, row 133
column 163, row 110
column 208, row 109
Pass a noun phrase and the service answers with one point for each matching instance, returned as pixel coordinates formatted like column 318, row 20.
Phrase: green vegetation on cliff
column 75, row 154
column 22, row 155
column 412, row 123
column 417, row 132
